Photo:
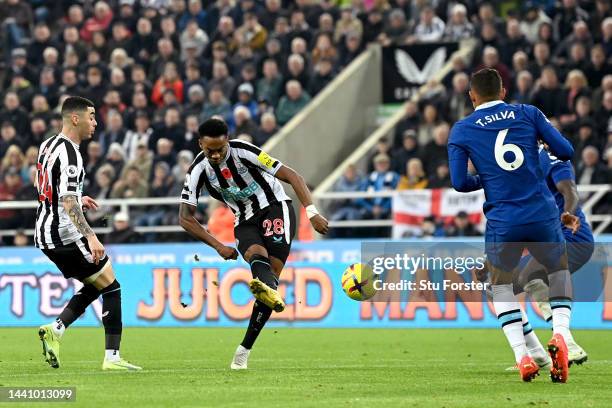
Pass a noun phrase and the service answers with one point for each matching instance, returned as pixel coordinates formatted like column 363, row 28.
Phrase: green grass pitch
column 186, row 367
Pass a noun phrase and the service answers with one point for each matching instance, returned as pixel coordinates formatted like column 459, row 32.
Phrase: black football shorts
column 272, row 227
column 75, row 260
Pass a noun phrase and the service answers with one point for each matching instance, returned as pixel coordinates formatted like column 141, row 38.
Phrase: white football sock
column 561, row 316
column 508, row 312
column 532, row 342
column 58, row 328
column 111, row 355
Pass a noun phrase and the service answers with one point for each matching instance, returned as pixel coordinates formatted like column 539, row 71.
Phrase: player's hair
column 487, row 83
column 76, row 104
column 213, row 127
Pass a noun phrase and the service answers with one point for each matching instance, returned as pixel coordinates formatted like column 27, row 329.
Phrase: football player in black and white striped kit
column 248, row 180
column 65, row 237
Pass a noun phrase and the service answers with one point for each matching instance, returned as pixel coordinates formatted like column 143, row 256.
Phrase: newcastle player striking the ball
column 247, row 180
column 64, row 236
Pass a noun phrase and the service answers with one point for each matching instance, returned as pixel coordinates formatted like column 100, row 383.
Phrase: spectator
column 381, row 179
column 459, row 104
column 458, row 27
column 168, row 81
column 122, row 232
column 180, row 169
column 590, row 170
column 427, row 125
column 195, row 100
column 324, row 49
column 461, row 227
column 142, row 43
column 396, row 31
column 415, row 178
column 267, row 129
column 12, row 112
column 490, row 59
column 217, row 105
column 131, row 184
column 410, row 121
column 171, row 129
column 350, row 181
column 430, row 28
column 441, row 176
column 8, row 138
column 294, row 101
column 17, row 19
column 524, row 88
column 21, row 239
column 221, row 79
column 13, row 159
column 195, row 38
column 407, row 151
column 549, row 97
column 115, row 157
column 534, row 18
column 353, row 46
column 165, row 153
column 165, row 54
column 243, row 122
column 101, row 190
column 143, row 160
column 514, row 41
column 603, row 116
column 190, row 140
column 270, row 86
column 28, row 192
column 93, row 163
column 252, row 33
column 245, row 98
column 296, row 70
column 323, row 75
column 9, row 187
column 139, row 136
column 436, row 148
column 598, row 67
column 101, row 20
column 114, row 133
column 347, row 23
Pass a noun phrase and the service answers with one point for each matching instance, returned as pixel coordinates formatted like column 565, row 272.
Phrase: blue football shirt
column 501, row 140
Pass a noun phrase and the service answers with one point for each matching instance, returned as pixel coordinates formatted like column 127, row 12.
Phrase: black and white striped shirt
column 60, row 173
column 244, row 180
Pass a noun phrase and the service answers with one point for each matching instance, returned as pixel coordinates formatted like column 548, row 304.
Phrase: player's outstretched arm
column 189, row 223
column 75, row 212
column 461, row 180
column 288, row 175
column 568, row 190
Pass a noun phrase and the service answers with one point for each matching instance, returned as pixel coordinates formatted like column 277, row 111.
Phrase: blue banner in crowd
column 188, row 285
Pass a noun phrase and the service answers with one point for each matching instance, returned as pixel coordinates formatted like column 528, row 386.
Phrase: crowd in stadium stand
column 156, row 68
column 555, row 55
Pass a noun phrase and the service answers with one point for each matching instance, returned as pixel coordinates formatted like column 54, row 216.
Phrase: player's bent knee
column 106, row 278
column 255, row 250
column 113, row 287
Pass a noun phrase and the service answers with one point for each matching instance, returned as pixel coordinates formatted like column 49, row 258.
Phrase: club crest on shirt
column 241, row 168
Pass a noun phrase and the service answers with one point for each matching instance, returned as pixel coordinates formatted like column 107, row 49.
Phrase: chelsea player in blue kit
column 501, row 140
column 531, row 275
column 560, row 179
